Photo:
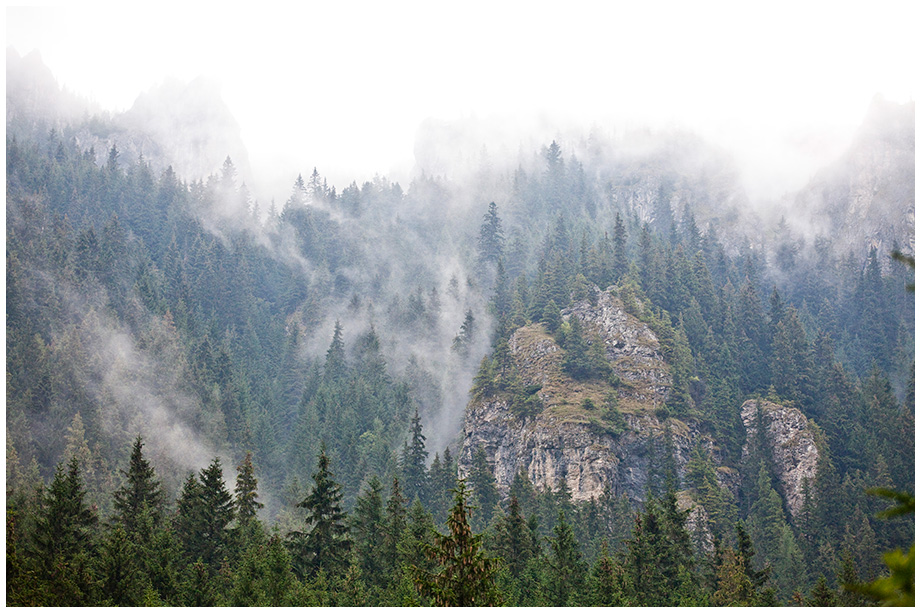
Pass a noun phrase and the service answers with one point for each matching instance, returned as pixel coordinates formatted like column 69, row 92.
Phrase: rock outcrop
column 630, row 345
column 573, row 439
column 790, row 441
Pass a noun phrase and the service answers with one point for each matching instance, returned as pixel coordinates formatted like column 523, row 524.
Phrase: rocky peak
column 576, row 437
column 791, row 443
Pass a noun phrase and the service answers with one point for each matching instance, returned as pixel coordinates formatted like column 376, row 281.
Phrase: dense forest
column 216, row 401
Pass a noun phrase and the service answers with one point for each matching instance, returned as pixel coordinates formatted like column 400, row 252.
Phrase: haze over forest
column 611, row 268
column 347, row 86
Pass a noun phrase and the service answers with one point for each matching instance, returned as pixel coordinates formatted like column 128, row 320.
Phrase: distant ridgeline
column 648, row 406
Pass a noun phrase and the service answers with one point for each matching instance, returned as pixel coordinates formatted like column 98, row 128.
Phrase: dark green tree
column 465, row 576
column 567, row 570
column 63, row 540
column 484, row 489
column 205, row 510
column 141, row 489
column 326, row 547
column 513, row 540
column 606, row 581
column 246, row 491
column 583, row 360
column 491, row 237
column 367, row 524
column 335, row 368
column 413, row 462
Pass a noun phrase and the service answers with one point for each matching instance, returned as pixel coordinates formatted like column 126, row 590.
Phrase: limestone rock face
column 552, row 447
column 630, row 345
column 791, row 443
column 572, row 440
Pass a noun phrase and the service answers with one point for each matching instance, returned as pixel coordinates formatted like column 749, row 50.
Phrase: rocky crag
column 576, row 438
column 790, row 441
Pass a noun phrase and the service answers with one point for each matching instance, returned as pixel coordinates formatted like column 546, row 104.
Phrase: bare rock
column 791, row 443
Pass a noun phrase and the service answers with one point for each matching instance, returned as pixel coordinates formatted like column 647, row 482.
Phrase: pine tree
column 658, row 562
column 583, row 361
column 205, row 512
column 141, row 490
column 367, row 524
column 394, row 524
column 63, row 539
column 246, row 491
column 512, row 538
column 413, row 461
column 335, row 368
column 606, row 581
column 567, row 571
column 484, row 489
column 463, row 340
column 620, row 258
column 327, row 545
column 773, row 536
column 822, row 595
column 733, row 586
column 465, row 575
column 491, row 237
column 119, row 567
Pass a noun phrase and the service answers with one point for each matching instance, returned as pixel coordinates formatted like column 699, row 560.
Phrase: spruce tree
column 394, row 525
column 567, row 571
column 513, row 540
column 246, row 491
column 484, row 489
column 465, row 575
column 367, row 524
column 413, row 463
column 327, row 545
column 63, row 539
column 335, row 367
column 463, row 340
column 620, row 258
column 491, row 237
column 606, row 581
column 141, row 489
column 204, row 514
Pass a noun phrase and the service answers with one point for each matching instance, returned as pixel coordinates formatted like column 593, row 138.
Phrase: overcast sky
column 344, row 85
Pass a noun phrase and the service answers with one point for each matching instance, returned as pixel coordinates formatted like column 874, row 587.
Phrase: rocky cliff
column 577, row 437
column 790, row 441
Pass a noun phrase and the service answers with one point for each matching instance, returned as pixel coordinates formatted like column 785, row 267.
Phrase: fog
column 344, row 86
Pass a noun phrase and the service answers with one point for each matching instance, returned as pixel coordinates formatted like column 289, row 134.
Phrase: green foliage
column 245, row 502
column 465, row 575
column 413, row 461
column 63, row 542
column 567, row 571
column 483, row 488
column 119, row 281
column 583, row 360
column 327, row 544
column 205, row 510
column 658, row 563
column 141, row 490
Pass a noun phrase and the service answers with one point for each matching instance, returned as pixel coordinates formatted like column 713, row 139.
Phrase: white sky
column 344, row 85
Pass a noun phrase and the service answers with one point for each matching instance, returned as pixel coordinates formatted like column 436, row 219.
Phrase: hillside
column 580, row 354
